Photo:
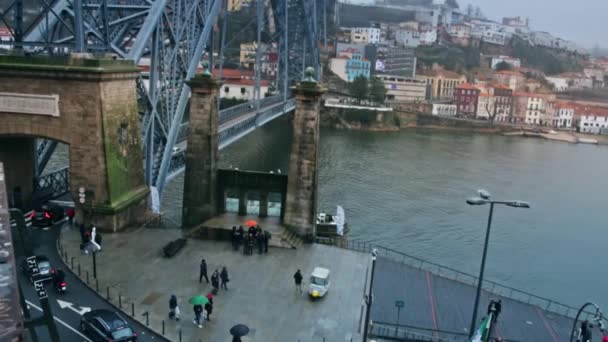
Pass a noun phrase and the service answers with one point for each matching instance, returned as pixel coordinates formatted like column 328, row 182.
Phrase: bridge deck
column 434, row 303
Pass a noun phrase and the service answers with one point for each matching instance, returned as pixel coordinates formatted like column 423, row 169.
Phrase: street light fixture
column 370, row 296
column 485, row 198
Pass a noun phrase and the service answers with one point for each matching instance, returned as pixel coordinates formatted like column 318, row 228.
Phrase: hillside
column 354, row 15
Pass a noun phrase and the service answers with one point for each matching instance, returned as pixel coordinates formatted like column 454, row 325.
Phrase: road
column 66, row 308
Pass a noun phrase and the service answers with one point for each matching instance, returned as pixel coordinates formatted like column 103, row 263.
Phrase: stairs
column 289, row 239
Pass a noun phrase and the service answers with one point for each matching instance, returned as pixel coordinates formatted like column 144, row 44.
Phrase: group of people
column 89, row 238
column 254, row 236
column 218, row 279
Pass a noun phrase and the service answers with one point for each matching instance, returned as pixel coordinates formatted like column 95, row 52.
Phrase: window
column 226, row 89
column 243, row 90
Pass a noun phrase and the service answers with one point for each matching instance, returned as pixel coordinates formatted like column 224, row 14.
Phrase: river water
column 406, row 190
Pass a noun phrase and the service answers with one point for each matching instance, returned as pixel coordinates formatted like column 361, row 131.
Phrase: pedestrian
column 498, row 307
column 203, row 272
column 215, row 282
column 82, row 233
column 173, row 308
column 198, row 311
column 492, row 310
column 260, row 240
column 209, row 310
column 224, row 278
column 241, row 232
column 236, row 339
column 298, row 280
column 210, row 297
column 70, row 213
column 235, row 238
column 250, row 243
column 267, row 237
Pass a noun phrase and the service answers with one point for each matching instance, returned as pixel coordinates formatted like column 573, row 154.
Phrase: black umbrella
column 239, row 330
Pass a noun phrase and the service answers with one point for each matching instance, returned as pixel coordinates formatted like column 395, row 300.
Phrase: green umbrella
column 198, row 300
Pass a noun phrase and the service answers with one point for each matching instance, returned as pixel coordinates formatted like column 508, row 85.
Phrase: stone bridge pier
column 91, row 105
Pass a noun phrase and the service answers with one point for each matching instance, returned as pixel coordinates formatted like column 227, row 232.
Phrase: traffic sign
column 40, row 290
column 81, row 200
column 399, row 303
column 81, row 190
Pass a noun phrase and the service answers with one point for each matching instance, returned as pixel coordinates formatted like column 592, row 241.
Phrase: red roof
column 467, row 86
column 234, row 73
column 501, row 86
column 510, row 73
column 245, row 82
column 5, row 32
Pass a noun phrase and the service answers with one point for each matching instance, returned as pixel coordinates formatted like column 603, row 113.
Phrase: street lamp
column 485, row 198
column 369, row 298
column 598, row 317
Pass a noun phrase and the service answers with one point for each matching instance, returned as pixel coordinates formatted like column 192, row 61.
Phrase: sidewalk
column 261, row 289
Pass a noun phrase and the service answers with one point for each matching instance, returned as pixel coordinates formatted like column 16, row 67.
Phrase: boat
column 587, row 141
column 330, row 225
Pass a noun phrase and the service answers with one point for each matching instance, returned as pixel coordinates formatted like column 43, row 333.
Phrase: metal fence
column 52, row 185
column 490, row 286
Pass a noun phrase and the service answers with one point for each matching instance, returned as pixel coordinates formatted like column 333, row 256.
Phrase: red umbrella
column 209, row 295
column 251, row 223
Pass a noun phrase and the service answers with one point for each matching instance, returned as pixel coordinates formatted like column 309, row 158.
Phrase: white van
column 319, row 282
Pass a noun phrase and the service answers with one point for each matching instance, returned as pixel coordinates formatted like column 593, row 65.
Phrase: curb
column 67, row 266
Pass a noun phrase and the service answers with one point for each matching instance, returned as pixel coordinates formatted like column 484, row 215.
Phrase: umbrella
column 198, row 300
column 209, row 295
column 239, row 330
column 251, row 223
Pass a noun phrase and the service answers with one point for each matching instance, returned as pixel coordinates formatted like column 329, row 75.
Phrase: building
column 490, row 31
column 407, row 37
column 512, row 61
column 495, row 101
column 466, row 97
column 441, row 83
column 597, row 75
column 558, row 83
column 247, row 54
column 5, row 38
column 236, row 5
column 428, row 37
column 242, row 89
column 365, row 35
column 563, row 115
column 405, row 89
column 460, row 34
column 577, row 80
column 349, row 65
column 390, row 60
column 517, row 22
column 538, row 109
column 442, row 109
column 512, row 79
column 592, row 119
column 270, row 64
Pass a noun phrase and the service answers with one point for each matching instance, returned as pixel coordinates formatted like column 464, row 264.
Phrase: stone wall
column 17, row 154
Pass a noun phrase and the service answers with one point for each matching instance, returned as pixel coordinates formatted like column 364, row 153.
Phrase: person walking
column 241, row 232
column 215, row 282
column 209, row 310
column 298, row 280
column 259, row 236
column 70, row 213
column 498, row 308
column 203, row 272
column 173, row 308
column 224, row 278
column 267, row 238
column 198, row 311
column 235, row 239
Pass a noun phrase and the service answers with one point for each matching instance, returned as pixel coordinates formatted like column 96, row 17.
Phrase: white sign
column 155, row 200
column 29, row 104
column 63, row 304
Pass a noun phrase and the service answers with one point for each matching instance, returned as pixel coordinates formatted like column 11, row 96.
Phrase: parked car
column 45, row 269
column 47, row 215
column 106, row 325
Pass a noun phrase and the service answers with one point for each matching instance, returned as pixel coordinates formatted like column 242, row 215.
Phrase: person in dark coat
column 203, row 272
column 83, row 233
column 498, row 307
column 173, row 309
column 251, row 243
column 260, row 241
column 198, row 310
column 298, row 280
column 235, row 238
column 241, row 232
column 266, row 240
column 236, row 339
column 70, row 212
column 215, row 281
column 209, row 309
column 224, row 278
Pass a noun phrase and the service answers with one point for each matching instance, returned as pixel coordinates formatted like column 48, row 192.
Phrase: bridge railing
column 490, row 286
column 51, row 185
column 234, row 112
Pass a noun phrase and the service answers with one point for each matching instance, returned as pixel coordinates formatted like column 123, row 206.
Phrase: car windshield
column 121, row 333
column 44, row 265
column 318, row 281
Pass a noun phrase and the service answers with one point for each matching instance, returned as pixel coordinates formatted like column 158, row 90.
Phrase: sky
column 583, row 21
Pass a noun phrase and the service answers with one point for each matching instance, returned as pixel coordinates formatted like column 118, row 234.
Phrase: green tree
column 503, row 66
column 377, row 91
column 358, row 88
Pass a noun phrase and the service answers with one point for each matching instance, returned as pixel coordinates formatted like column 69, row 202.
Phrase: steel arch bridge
column 172, row 37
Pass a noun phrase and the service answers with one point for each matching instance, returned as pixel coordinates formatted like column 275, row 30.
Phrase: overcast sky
column 583, row 21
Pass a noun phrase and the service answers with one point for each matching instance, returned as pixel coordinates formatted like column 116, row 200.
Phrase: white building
column 428, row 37
column 405, row 89
column 369, row 35
column 563, row 115
column 242, row 89
column 593, row 120
column 444, row 109
column 512, row 61
column 542, row 38
column 407, row 37
column 535, row 109
column 558, row 83
column 5, row 37
column 460, row 31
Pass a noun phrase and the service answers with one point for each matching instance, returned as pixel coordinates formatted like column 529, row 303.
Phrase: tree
column 358, row 88
column 377, row 91
column 491, row 109
column 503, row 66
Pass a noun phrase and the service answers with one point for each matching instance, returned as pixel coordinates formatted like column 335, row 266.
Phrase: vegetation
column 549, row 61
column 359, row 88
column 364, row 116
column 452, row 58
column 377, row 90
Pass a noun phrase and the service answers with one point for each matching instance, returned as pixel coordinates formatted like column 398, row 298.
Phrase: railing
column 453, row 274
column 402, row 332
column 234, row 112
column 52, row 185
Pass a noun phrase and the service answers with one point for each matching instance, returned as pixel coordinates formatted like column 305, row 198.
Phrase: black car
column 105, row 325
column 47, row 215
column 45, row 269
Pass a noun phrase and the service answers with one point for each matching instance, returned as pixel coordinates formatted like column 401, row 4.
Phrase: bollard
column 119, row 301
column 87, row 277
column 96, row 285
column 107, row 292
column 180, row 335
column 133, row 309
column 72, row 263
column 79, row 270
column 163, row 327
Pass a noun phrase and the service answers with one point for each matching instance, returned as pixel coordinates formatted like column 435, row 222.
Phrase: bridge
column 173, row 36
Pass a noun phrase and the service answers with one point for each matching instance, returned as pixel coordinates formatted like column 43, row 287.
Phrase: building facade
column 442, row 109
column 365, row 35
column 512, row 79
column 349, row 65
column 405, row 89
column 441, row 83
column 407, row 37
column 466, row 97
column 512, row 61
column 564, row 115
column 592, row 119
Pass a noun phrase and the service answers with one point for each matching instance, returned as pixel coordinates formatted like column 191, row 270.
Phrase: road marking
column 60, row 321
column 432, row 302
column 63, row 304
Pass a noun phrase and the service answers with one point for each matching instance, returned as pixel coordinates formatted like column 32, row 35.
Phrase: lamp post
column 368, row 300
column 598, row 317
column 485, row 198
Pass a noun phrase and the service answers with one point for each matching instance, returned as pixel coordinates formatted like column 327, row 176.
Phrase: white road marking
column 60, row 321
column 63, row 304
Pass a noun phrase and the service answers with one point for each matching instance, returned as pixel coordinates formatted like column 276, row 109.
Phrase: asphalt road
column 77, row 299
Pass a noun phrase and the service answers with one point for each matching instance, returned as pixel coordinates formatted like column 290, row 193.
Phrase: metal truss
column 171, row 36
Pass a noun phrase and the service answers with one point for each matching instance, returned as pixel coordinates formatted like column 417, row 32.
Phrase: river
column 407, row 190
